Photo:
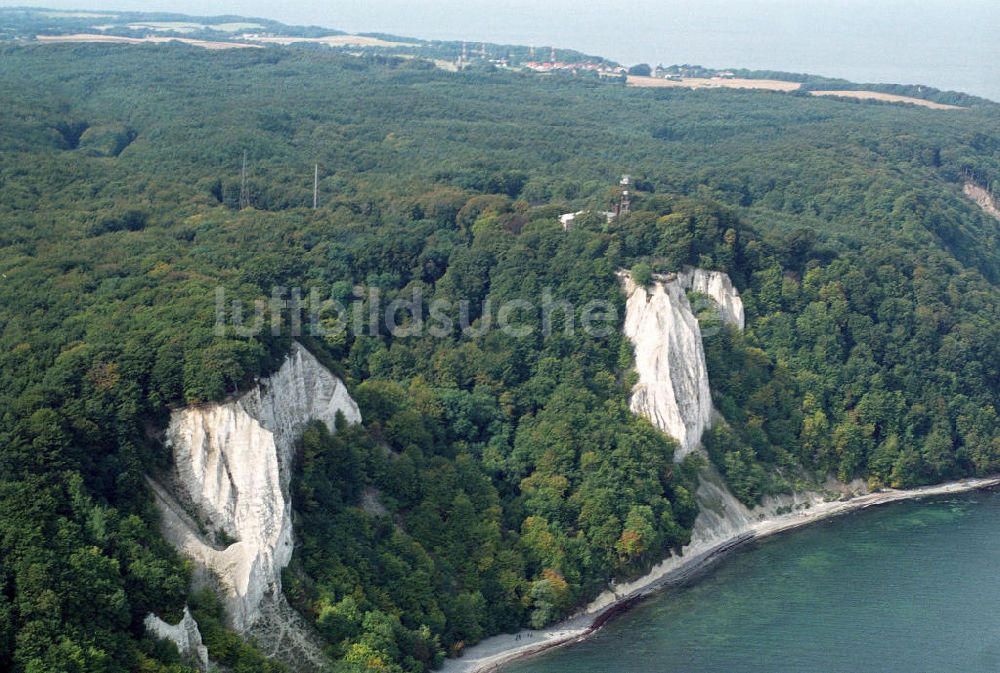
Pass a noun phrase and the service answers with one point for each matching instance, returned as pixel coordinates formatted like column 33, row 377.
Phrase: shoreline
column 493, row 653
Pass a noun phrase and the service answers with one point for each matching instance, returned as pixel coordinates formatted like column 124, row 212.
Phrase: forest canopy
column 497, row 482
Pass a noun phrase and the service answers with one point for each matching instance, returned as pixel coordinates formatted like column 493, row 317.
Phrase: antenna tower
column 625, row 202
column 316, row 188
column 244, row 190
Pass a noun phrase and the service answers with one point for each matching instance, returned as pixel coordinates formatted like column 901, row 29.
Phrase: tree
column 639, row 535
column 642, row 274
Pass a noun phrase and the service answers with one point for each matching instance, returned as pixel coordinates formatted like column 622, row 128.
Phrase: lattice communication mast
column 316, row 188
column 625, row 201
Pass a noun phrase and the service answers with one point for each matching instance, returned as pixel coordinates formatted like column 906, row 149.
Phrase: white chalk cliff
column 673, row 390
column 719, row 287
column 983, row 198
column 185, row 635
column 228, row 506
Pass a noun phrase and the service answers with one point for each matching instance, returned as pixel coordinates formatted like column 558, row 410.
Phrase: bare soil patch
column 333, row 41
column 713, row 83
column 888, row 98
column 118, row 39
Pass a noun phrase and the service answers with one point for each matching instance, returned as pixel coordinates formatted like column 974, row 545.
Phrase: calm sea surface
column 949, row 44
column 909, row 587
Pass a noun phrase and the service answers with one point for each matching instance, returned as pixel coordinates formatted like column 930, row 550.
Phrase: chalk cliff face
column 983, row 199
column 716, row 285
column 673, row 389
column 673, row 392
column 185, row 635
column 229, row 508
column 720, row 515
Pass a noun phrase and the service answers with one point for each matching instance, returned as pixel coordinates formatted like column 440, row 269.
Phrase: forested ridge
column 509, row 478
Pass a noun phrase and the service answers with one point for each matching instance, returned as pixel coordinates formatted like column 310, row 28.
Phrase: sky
column 951, row 44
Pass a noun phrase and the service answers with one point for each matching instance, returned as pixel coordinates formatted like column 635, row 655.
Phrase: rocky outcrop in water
column 227, row 506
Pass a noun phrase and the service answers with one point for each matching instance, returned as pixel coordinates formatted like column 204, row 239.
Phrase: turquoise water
column 908, row 587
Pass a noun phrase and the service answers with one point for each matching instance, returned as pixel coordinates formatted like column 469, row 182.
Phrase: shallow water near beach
column 909, row 587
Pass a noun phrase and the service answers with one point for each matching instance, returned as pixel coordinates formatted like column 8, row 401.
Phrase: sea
column 948, row 44
column 910, row 587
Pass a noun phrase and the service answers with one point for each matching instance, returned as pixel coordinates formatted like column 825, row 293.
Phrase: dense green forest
column 511, row 480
